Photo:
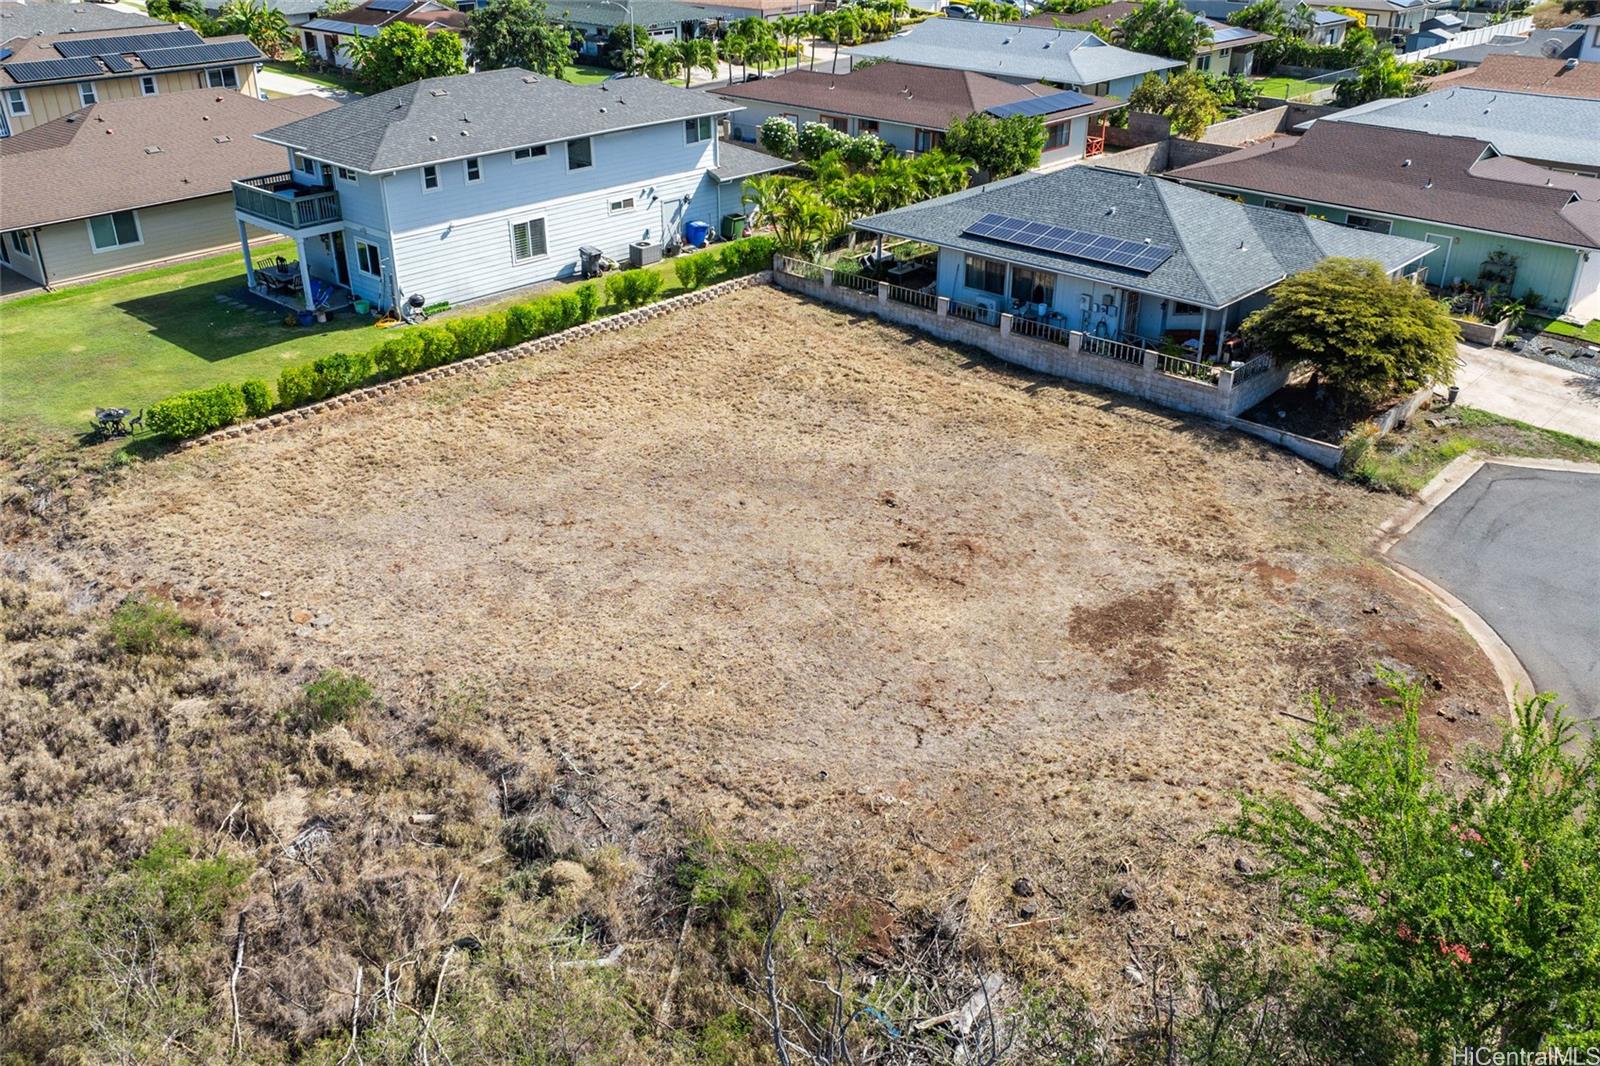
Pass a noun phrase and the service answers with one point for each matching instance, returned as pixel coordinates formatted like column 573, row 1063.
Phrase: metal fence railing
column 859, row 282
column 1179, row 367
column 987, row 316
column 1029, row 327
column 1252, row 368
column 800, row 268
column 925, row 300
column 1106, row 348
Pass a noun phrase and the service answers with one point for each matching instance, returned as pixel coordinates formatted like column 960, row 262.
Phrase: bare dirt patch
column 935, row 622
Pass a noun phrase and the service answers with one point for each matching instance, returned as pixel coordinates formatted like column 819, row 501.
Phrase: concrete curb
column 609, row 324
column 1514, row 677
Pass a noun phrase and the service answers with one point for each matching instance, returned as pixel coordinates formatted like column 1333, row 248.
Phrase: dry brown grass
column 933, row 622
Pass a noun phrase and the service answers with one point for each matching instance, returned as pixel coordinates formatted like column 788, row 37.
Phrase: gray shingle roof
column 437, row 119
column 1454, row 180
column 1552, row 129
column 1068, row 57
column 1224, row 250
column 645, row 12
column 736, row 162
column 1569, row 45
column 27, row 20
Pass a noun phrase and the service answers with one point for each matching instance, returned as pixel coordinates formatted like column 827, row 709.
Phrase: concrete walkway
column 1529, row 391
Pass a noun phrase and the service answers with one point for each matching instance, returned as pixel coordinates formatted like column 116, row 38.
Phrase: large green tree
column 1186, row 99
column 403, row 53
column 267, row 28
column 625, row 46
column 520, row 33
column 1263, row 16
column 1380, row 77
column 1163, row 28
column 1465, row 907
column 1000, row 147
column 1367, row 335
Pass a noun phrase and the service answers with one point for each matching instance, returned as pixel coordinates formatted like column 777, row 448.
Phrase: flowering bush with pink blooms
column 1459, row 907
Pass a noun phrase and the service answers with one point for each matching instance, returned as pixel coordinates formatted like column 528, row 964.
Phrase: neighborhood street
column 1530, row 391
column 1518, row 545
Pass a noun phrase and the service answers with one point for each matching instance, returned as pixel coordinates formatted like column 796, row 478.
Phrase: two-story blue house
column 459, row 188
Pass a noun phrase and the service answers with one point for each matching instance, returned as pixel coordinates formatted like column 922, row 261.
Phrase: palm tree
column 696, row 53
column 359, row 49
column 762, row 195
column 786, row 29
column 661, row 61
column 815, row 26
column 803, row 221
column 267, row 29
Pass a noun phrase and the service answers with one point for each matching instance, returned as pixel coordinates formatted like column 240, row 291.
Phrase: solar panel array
column 127, row 42
column 1041, row 105
column 116, row 64
column 390, row 5
column 53, row 69
column 191, row 55
column 1077, row 243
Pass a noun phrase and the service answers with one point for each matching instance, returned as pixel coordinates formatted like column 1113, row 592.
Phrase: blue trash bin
column 696, row 232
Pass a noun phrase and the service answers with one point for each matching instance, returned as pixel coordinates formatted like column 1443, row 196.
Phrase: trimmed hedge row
column 406, row 351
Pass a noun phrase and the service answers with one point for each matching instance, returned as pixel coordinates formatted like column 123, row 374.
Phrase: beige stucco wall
column 47, row 102
column 170, row 231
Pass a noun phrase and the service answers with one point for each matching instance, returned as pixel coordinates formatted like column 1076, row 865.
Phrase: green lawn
column 587, row 75
column 1590, row 333
column 131, row 340
column 326, row 79
column 1287, row 88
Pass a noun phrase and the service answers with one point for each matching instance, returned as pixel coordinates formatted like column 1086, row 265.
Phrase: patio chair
column 136, row 423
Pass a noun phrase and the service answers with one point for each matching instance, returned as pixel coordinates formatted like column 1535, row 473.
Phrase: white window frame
column 22, row 243
column 472, row 167
column 138, row 228
column 14, row 97
column 86, row 94
column 377, row 256
column 544, row 232
column 622, row 205
column 692, row 128
column 148, row 86
column 430, row 172
column 535, row 151
column 307, row 166
column 345, row 174
column 224, row 73
column 587, row 140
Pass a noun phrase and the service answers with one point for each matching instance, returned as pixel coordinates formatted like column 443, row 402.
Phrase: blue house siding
column 1546, row 270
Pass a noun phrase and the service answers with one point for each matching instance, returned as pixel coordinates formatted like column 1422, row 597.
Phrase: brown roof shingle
column 1535, row 74
column 1454, row 180
column 929, row 97
column 96, row 160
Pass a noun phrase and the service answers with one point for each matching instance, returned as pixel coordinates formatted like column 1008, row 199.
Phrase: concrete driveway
column 1521, row 547
column 1529, row 391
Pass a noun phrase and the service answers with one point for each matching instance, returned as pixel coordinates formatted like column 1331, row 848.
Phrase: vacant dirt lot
column 939, row 623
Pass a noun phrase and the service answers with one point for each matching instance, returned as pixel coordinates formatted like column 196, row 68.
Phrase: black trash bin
column 589, row 260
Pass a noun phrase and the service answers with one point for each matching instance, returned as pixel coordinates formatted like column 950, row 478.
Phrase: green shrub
column 296, row 385
column 689, row 270
column 399, row 355
column 588, row 302
column 340, row 372
column 141, row 626
column 747, row 255
column 257, row 397
column 438, row 346
column 190, row 414
column 476, row 334
column 633, row 288
column 333, row 697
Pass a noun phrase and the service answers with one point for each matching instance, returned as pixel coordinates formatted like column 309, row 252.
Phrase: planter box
column 1487, row 334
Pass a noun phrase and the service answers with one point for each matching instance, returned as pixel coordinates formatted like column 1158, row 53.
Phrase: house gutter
column 38, row 257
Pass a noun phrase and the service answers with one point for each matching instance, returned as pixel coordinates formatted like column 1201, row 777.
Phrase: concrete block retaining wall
column 610, row 324
column 1146, row 381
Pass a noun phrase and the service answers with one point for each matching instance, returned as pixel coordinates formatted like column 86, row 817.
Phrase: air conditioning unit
column 988, row 303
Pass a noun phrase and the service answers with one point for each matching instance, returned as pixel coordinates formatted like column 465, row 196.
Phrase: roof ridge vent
column 1405, row 162
column 152, row 149
column 530, row 79
column 438, row 92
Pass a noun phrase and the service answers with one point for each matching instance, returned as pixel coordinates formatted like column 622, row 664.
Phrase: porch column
column 1200, row 346
column 305, row 273
column 1222, row 331
column 249, row 264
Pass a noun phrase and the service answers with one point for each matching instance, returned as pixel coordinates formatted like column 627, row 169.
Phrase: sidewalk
column 1529, row 391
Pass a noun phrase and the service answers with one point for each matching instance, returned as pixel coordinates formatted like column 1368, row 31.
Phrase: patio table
column 111, row 421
